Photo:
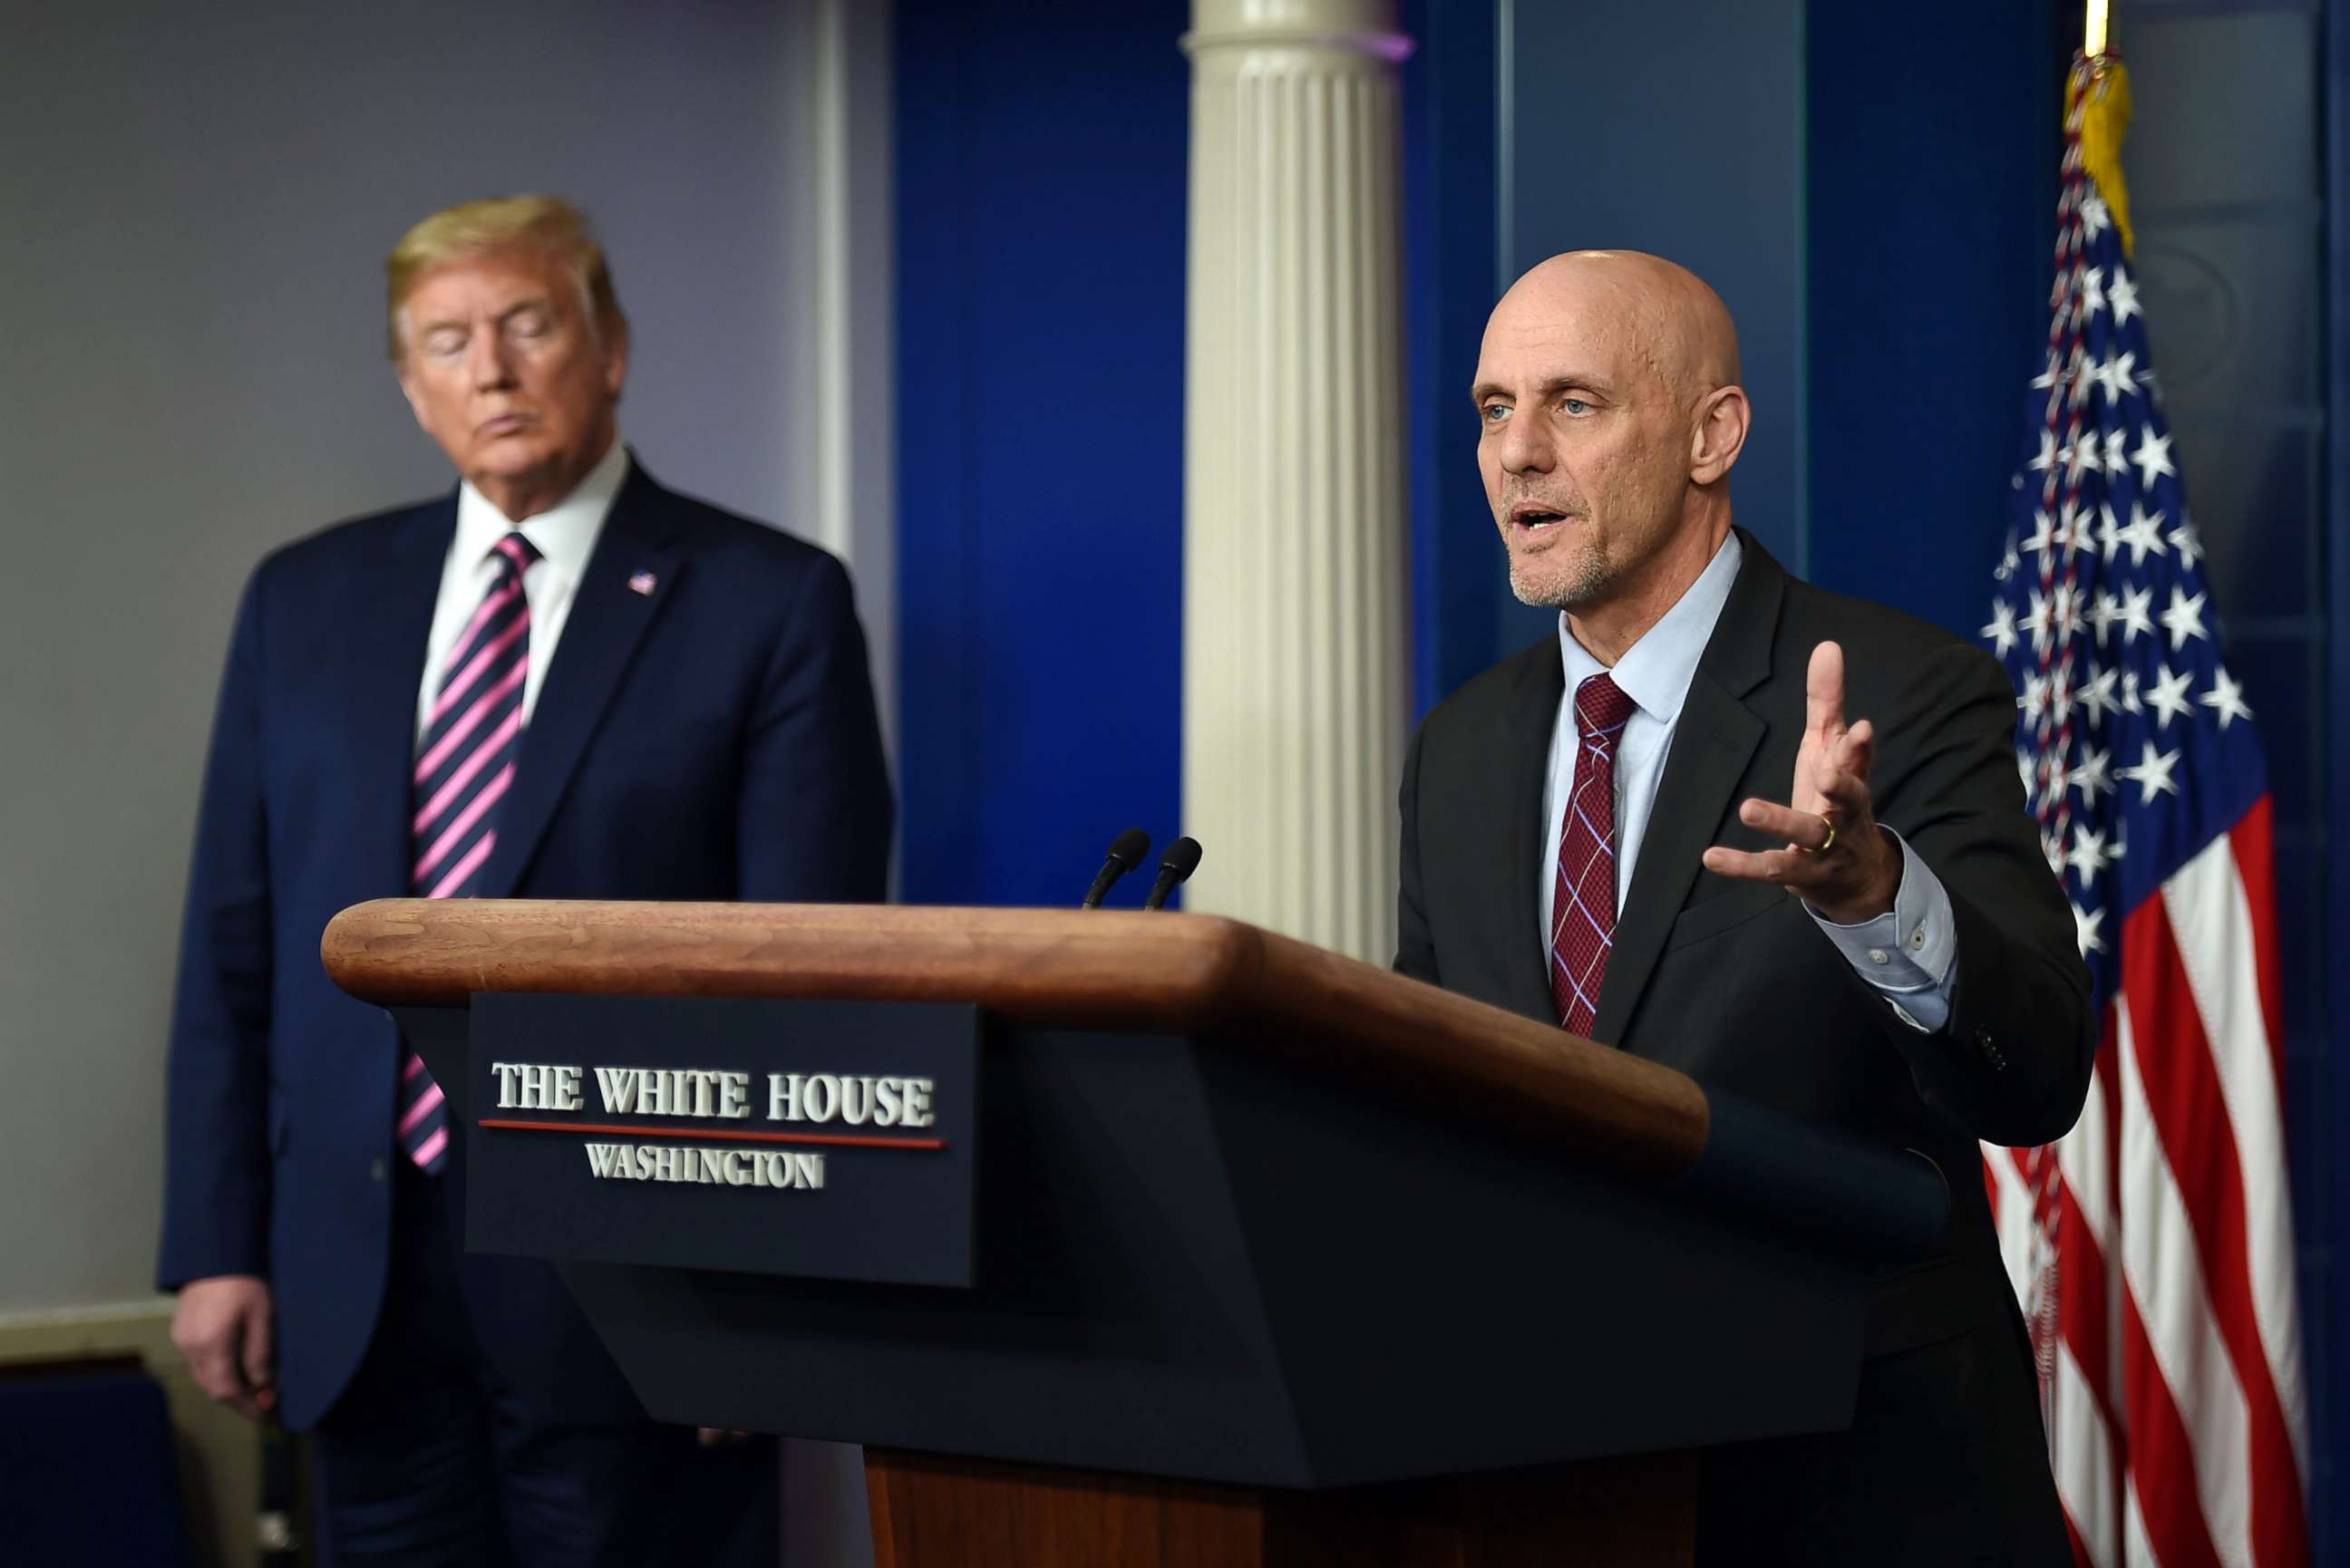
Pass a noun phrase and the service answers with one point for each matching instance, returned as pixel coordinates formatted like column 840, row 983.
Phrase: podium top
column 1101, row 969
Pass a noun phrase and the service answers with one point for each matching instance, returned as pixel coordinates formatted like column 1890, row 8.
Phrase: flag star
column 2152, row 774
column 2137, row 614
column 2187, row 542
column 2009, row 561
column 2052, row 849
column 2059, row 708
column 2027, row 769
column 2072, row 529
column 2047, row 457
column 2084, row 929
column 2088, row 856
column 2094, row 775
column 2116, row 452
column 2122, row 295
column 2059, row 776
column 2094, row 219
column 2225, row 696
column 2097, row 694
column 2169, row 695
column 2034, row 700
column 2092, row 294
column 2109, row 533
column 2065, row 611
column 2152, row 457
column 2078, row 455
column 2001, row 630
column 2130, row 693
column 2143, row 535
column 2184, row 618
column 2044, row 536
column 2117, row 377
column 2047, row 377
column 2035, row 621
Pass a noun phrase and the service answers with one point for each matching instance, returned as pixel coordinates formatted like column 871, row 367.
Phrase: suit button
column 375, row 1170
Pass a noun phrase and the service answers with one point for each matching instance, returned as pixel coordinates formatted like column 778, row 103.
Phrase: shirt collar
column 565, row 533
column 1656, row 671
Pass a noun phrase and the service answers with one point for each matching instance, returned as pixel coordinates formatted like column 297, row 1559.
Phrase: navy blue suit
column 713, row 738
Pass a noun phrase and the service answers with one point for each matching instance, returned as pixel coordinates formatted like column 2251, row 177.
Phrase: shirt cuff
column 1910, row 954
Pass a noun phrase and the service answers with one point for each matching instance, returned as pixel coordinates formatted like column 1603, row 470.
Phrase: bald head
column 1677, row 324
column 1609, row 415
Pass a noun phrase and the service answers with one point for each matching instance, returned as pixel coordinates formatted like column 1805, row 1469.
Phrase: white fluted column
column 1294, row 624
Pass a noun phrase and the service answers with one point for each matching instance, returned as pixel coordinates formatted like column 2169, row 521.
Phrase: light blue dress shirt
column 1910, row 954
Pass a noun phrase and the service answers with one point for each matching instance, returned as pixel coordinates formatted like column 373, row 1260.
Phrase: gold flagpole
column 2095, row 42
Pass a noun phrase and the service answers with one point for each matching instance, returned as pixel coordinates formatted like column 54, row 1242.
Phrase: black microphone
column 1126, row 853
column 1182, row 859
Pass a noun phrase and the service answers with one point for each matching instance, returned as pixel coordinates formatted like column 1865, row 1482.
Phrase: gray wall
column 194, row 202
column 1605, row 107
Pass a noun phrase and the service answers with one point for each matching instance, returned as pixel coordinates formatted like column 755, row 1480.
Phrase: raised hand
column 1836, row 860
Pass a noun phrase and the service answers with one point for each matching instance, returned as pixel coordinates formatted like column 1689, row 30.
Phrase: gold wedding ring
column 1826, row 844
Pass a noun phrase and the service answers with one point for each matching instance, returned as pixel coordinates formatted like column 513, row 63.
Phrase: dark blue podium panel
column 1197, row 1256
column 818, row 1140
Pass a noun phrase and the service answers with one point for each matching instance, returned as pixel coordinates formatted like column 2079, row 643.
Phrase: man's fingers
column 1847, row 802
column 1774, row 866
column 1803, row 827
column 258, row 1360
column 1857, row 749
column 215, row 1372
column 1824, row 690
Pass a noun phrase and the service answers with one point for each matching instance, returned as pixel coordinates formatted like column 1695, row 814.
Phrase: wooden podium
column 1277, row 1258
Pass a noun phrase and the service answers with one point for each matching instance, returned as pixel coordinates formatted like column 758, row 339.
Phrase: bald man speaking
column 1772, row 837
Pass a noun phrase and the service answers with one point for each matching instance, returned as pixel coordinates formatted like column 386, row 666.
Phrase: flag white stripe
column 2137, row 1550
column 2083, row 1451
column 2165, row 1277
column 2086, row 1156
column 2011, row 1217
column 2212, row 918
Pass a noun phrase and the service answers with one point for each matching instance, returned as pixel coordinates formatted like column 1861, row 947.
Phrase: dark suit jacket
column 1731, row 983
column 712, row 739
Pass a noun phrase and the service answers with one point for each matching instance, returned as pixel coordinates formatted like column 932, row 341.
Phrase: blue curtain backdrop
column 1040, row 152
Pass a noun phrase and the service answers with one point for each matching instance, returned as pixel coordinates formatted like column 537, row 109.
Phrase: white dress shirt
column 565, row 536
column 1910, row 954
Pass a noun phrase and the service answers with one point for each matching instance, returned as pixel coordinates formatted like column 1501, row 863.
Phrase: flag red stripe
column 2161, row 1459
column 2084, row 1306
column 2190, row 1119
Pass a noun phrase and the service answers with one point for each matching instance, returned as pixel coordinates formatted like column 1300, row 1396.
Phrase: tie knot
column 1600, row 709
column 514, row 553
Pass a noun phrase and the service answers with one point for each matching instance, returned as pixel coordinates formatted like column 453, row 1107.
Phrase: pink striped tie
column 464, row 766
column 1583, row 887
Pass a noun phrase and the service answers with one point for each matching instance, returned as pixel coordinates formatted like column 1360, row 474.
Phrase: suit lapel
column 388, row 625
column 1525, row 761
column 608, row 617
column 1714, row 738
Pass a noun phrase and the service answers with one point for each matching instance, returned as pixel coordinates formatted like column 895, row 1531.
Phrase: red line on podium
column 845, row 1140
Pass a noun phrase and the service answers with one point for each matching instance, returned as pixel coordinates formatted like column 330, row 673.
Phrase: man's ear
column 1718, row 434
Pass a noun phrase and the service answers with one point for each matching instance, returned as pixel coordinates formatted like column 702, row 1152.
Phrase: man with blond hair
column 1669, row 827
column 558, row 679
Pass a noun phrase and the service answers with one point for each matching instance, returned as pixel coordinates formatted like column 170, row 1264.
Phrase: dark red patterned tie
column 1583, row 903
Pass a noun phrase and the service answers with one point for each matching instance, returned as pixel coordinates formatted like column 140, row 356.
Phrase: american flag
column 2152, row 1248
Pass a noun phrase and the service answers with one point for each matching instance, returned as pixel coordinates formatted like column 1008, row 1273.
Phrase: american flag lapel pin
column 643, row 583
